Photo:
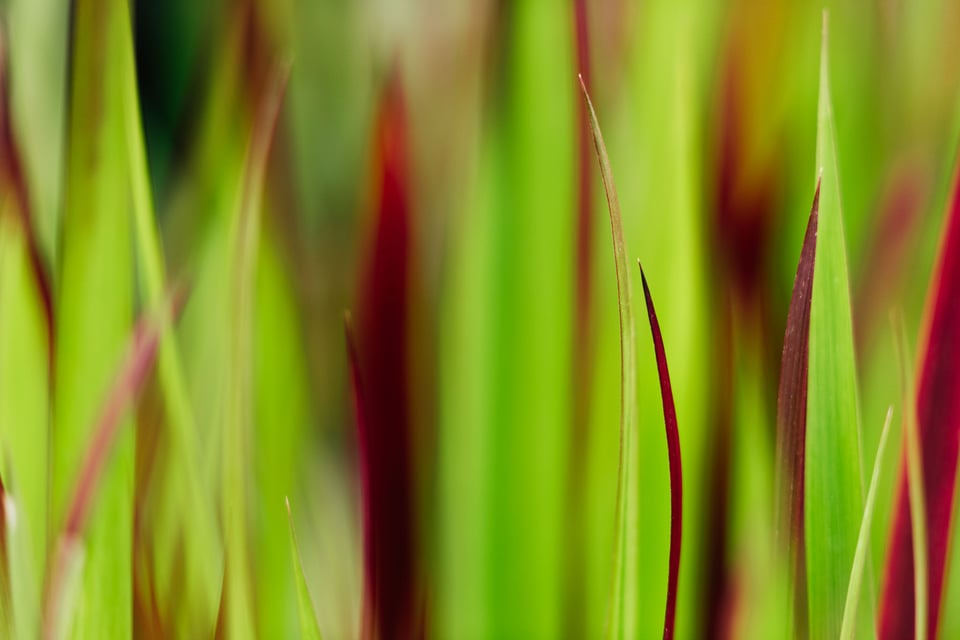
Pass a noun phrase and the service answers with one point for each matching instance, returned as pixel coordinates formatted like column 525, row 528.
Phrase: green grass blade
column 918, row 510
column 833, row 497
column 308, row 619
column 93, row 472
column 863, row 540
column 95, row 311
column 24, row 422
column 622, row 604
column 237, row 416
column 184, row 537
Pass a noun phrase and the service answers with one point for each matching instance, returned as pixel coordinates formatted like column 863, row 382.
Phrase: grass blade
column 676, row 472
column 127, row 384
column 863, row 540
column 622, row 622
column 918, row 517
column 792, row 419
column 387, row 447
column 938, row 426
column 832, row 482
column 237, row 616
column 184, row 501
column 308, row 619
column 26, row 337
column 95, row 312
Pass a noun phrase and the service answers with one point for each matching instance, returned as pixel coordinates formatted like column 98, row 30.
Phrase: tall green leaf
column 184, row 536
column 238, row 408
column 94, row 312
column 833, row 497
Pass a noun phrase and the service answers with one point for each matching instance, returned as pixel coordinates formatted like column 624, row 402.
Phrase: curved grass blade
column 308, row 619
column 130, row 379
column 863, row 540
column 792, row 419
column 622, row 621
column 673, row 452
column 832, row 477
column 938, row 422
column 237, row 616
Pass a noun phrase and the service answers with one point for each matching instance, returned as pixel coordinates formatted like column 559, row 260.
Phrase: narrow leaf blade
column 792, row 418
column 832, row 478
column 308, row 619
column 863, row 540
column 673, row 452
column 622, row 622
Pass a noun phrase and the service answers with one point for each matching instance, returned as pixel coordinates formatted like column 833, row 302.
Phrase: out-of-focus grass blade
column 184, row 537
column 38, row 106
column 26, row 331
column 832, row 484
column 387, row 449
column 918, row 516
column 308, row 620
column 237, row 417
column 792, row 419
column 505, row 352
column 863, row 540
column 95, row 311
column 87, row 485
column 938, row 421
column 673, row 452
column 623, row 598
column 282, row 421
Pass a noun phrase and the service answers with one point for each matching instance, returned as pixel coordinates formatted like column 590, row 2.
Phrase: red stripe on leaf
column 938, row 420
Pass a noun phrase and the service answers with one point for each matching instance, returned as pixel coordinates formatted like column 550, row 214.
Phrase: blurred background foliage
column 510, row 364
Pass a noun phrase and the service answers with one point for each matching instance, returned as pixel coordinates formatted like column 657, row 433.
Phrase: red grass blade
column 130, row 379
column 384, row 427
column 938, row 419
column 673, row 454
column 792, row 416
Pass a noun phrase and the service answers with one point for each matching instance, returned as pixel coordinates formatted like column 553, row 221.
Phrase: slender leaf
column 622, row 606
column 387, row 447
column 792, row 419
column 938, row 422
column 94, row 313
column 26, row 335
column 676, row 472
column 184, row 538
column 237, row 416
column 863, row 540
column 832, row 482
column 308, row 619
column 87, row 491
